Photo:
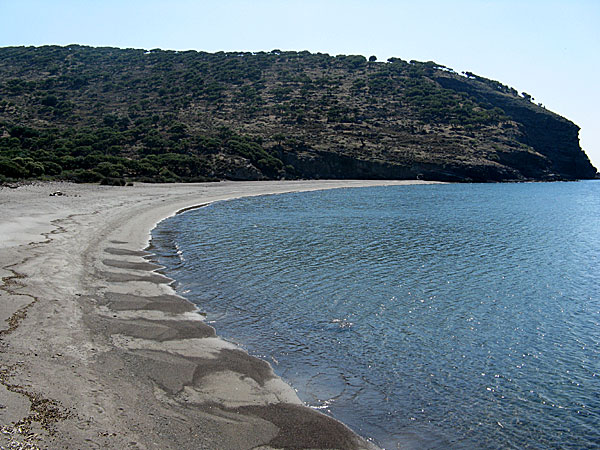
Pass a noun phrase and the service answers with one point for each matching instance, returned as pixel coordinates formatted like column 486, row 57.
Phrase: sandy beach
column 97, row 350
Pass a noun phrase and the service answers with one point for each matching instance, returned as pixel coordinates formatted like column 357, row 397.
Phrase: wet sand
column 97, row 350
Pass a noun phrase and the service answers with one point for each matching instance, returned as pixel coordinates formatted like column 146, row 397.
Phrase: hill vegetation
column 106, row 114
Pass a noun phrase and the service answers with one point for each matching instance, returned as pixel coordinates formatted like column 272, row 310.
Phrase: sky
column 550, row 49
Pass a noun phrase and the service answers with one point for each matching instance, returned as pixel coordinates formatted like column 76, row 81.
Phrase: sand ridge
column 98, row 351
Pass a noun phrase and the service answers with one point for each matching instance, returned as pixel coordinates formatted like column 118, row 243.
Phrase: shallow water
column 438, row 316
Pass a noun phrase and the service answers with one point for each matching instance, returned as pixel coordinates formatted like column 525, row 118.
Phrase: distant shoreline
column 99, row 348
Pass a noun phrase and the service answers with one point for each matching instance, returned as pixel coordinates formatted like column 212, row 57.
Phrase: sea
column 450, row 316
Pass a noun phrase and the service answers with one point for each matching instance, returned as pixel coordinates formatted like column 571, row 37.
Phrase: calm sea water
column 439, row 316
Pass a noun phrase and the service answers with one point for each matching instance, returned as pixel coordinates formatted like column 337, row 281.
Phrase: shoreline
column 98, row 351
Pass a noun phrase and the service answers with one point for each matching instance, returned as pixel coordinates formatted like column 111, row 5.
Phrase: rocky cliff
column 553, row 137
column 92, row 114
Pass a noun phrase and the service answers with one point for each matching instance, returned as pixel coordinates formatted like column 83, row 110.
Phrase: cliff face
column 550, row 135
column 93, row 114
column 330, row 165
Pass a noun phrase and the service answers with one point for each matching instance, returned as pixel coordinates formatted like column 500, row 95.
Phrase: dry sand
column 97, row 350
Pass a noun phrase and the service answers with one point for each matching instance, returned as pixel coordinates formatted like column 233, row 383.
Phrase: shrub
column 109, row 181
column 83, row 176
column 11, row 169
column 49, row 100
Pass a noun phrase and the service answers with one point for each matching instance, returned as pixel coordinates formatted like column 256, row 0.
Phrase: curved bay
column 428, row 316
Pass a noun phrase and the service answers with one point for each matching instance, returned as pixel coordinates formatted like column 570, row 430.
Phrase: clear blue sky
column 550, row 49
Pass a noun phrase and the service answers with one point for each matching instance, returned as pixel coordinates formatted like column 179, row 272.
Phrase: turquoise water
column 438, row 316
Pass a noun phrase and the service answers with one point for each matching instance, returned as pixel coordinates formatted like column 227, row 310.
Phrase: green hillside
column 92, row 114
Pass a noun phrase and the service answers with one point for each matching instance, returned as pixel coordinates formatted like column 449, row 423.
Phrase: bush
column 11, row 169
column 50, row 100
column 34, row 168
column 110, row 170
column 108, row 181
column 83, row 176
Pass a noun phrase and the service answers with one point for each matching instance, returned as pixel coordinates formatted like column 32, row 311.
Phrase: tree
column 279, row 138
column 372, row 58
column 527, row 96
column 50, row 100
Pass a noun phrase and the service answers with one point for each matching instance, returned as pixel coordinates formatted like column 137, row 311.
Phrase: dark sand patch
column 171, row 372
column 115, row 277
column 165, row 303
column 303, row 428
column 118, row 242
column 130, row 265
column 125, row 252
column 160, row 330
column 235, row 361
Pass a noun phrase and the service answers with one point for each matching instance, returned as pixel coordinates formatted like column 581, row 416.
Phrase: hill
column 91, row 114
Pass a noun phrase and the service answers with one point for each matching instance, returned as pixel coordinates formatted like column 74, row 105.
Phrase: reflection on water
column 442, row 316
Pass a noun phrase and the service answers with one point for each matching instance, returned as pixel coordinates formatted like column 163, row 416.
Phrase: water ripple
column 458, row 316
